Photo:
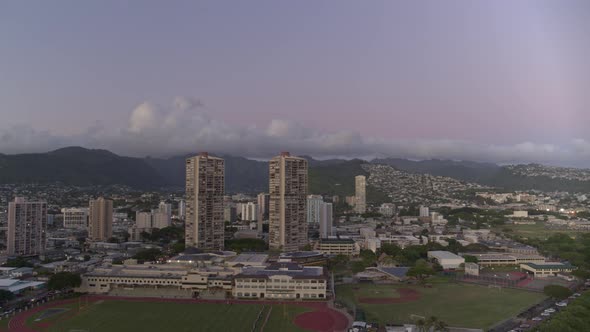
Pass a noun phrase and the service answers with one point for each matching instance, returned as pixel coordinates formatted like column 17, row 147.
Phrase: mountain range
column 81, row 166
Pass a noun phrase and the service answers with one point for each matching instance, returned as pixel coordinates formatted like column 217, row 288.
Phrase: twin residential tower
column 287, row 207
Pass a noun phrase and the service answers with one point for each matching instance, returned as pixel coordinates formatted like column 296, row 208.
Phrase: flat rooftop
column 443, row 254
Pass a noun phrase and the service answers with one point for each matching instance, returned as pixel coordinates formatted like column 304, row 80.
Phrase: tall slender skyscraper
column 27, row 225
column 288, row 200
column 100, row 219
column 205, row 186
column 263, row 202
column 360, row 201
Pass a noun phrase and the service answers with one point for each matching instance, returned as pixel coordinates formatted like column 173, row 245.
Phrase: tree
column 64, row 280
column 148, row 255
column 420, row 271
column 557, row 292
column 18, row 262
column 470, row 259
column 6, row 296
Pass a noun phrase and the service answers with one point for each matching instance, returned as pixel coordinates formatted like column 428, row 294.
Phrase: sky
column 500, row 81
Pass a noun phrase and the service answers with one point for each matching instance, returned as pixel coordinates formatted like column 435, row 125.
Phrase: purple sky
column 503, row 81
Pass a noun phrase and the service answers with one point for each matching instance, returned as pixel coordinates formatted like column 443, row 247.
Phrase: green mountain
column 78, row 166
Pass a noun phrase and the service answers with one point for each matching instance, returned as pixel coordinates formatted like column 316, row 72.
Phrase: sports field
column 538, row 230
column 113, row 315
column 459, row 305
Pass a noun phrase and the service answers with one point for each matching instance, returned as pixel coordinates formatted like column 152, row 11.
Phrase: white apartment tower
column 205, row 183
column 360, row 197
column 27, row 225
column 424, row 211
column 288, row 200
column 100, row 219
column 249, row 211
column 314, row 206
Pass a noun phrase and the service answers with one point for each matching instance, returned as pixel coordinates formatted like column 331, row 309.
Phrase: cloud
column 184, row 127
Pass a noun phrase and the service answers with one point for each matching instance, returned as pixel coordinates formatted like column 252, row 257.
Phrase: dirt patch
column 326, row 320
column 406, row 295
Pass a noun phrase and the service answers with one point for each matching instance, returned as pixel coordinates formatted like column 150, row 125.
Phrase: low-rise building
column 338, row 246
column 547, row 269
column 282, row 281
column 446, row 259
column 499, row 258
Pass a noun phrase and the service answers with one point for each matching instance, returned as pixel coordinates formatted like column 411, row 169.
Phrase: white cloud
column 183, row 127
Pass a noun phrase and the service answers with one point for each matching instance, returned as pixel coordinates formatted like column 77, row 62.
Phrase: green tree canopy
column 557, row 292
column 64, row 280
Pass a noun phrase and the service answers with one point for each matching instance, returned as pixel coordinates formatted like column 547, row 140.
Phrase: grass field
column 460, row 305
column 115, row 316
column 538, row 230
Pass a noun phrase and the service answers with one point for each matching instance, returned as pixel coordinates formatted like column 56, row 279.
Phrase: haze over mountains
column 80, row 166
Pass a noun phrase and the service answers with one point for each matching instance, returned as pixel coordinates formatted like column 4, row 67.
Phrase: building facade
column 360, row 197
column 263, row 200
column 288, row 202
column 27, row 226
column 205, row 187
column 75, row 217
column 100, row 219
column 281, row 281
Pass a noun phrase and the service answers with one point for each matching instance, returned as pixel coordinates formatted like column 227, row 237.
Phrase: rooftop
column 443, row 254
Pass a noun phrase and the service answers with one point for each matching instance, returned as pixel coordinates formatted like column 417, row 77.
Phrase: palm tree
column 421, row 325
column 431, row 322
column 441, row 326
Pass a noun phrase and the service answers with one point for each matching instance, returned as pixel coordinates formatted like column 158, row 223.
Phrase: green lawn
column 460, row 305
column 115, row 316
column 538, row 230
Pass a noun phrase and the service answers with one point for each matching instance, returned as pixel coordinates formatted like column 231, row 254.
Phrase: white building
column 446, row 259
column 249, row 211
column 181, row 209
column 387, row 209
column 424, row 211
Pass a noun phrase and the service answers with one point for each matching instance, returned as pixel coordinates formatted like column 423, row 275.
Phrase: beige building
column 205, row 186
column 547, row 269
column 360, row 197
column 75, row 217
column 100, row 219
column 338, row 246
column 499, row 258
column 288, row 202
column 27, row 225
column 281, row 281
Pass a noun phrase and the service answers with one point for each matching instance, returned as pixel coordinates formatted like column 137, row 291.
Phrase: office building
column 360, row 197
column 75, row 217
column 205, row 186
column 27, row 226
column 326, row 220
column 288, row 200
column 100, row 219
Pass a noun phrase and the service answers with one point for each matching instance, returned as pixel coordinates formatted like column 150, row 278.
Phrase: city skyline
column 501, row 82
